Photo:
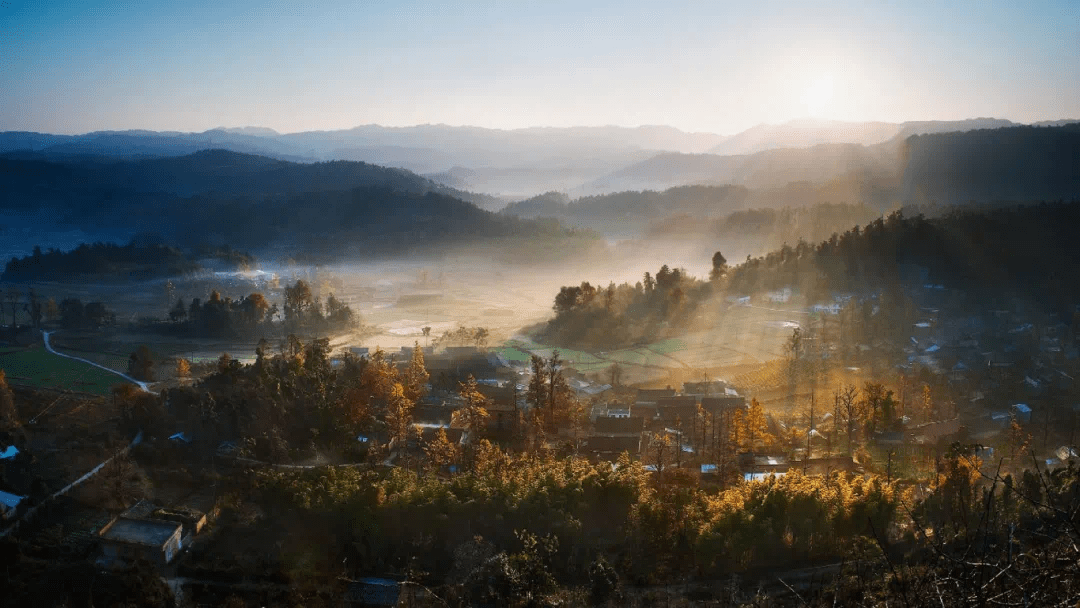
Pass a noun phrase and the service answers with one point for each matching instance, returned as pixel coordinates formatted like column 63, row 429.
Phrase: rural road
column 48, row 347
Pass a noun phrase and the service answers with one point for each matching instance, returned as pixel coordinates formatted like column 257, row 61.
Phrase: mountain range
column 516, row 164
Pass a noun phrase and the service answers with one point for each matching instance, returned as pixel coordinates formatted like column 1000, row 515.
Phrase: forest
column 991, row 254
column 108, row 261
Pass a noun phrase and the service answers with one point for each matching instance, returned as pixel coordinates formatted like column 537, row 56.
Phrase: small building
column 610, row 447
column 759, row 466
column 124, row 541
column 503, row 419
column 682, row 408
column 723, row 405
column 651, row 396
column 9, row 504
column 619, row 425
column 1022, row 412
column 713, row 387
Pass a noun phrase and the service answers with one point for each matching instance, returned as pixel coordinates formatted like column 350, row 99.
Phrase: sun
column 818, row 96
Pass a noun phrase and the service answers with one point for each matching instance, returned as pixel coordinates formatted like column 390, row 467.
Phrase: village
column 996, row 384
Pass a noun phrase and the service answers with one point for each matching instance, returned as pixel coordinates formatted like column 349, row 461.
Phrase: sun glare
column 818, row 96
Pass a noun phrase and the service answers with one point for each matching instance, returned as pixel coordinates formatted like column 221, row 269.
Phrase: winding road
column 48, row 347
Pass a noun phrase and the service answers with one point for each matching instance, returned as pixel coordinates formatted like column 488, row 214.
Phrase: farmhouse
column 127, row 540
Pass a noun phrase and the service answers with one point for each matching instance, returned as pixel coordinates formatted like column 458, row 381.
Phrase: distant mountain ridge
column 512, row 164
column 217, row 197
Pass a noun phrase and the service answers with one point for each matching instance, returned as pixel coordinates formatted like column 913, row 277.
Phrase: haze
column 73, row 67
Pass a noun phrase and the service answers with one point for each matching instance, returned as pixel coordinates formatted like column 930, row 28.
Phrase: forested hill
column 1011, row 164
column 633, row 209
column 213, row 198
column 25, row 177
column 996, row 256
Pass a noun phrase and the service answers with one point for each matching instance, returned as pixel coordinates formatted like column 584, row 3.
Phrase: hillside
column 261, row 204
column 1014, row 164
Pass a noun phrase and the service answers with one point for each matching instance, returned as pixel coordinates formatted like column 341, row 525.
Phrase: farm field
column 36, row 367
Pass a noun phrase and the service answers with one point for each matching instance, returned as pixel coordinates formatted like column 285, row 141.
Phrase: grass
column 512, row 354
column 37, row 367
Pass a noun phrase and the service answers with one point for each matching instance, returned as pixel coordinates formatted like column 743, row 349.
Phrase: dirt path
column 48, row 347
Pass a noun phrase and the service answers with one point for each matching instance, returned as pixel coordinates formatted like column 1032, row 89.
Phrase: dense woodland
column 105, row 261
column 254, row 316
column 992, row 255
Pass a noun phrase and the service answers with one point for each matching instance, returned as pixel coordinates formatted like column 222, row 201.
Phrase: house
column 9, row 504
column 610, row 447
column 758, row 466
column 723, row 405
column 1022, row 412
column 933, row 432
column 124, row 541
column 618, row 425
column 714, row 387
column 503, row 419
column 372, row 592
column 682, row 409
column 612, row 436
column 650, row 396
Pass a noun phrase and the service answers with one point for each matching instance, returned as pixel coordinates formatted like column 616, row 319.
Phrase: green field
column 36, row 366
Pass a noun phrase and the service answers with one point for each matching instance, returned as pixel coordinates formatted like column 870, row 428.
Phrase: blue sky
column 72, row 67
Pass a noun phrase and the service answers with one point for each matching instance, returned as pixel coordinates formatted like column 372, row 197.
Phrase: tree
column 178, row 314
column 480, row 336
column 399, row 416
column 659, row 452
column 1017, row 440
column 472, row 415
column 416, row 375
column 719, row 267
column 71, row 313
column 556, row 385
column 849, row 408
column 255, row 307
column 440, row 451
column 794, row 343
column 52, row 311
column 879, row 407
column 141, row 364
column 299, row 303
column 9, row 418
column 756, row 427
column 616, row 372
column 536, row 397
column 97, row 315
column 122, row 482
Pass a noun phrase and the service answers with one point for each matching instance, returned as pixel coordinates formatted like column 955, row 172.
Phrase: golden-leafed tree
column 440, row 451
column 416, row 375
column 755, row 431
column 183, row 368
column 472, row 415
column 399, row 410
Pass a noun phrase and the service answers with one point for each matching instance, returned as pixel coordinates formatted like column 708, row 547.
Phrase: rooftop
column 149, row 532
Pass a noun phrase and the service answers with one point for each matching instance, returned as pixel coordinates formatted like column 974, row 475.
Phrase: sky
column 711, row 66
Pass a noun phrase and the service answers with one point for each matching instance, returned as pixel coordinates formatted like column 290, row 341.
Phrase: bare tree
column 121, row 482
